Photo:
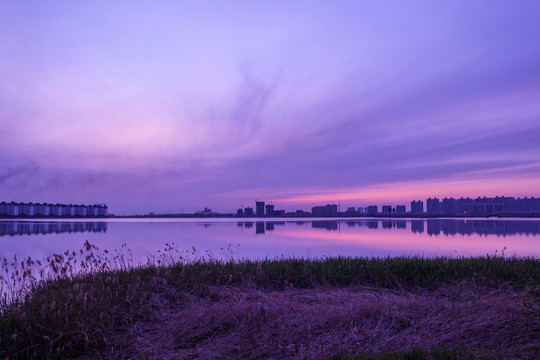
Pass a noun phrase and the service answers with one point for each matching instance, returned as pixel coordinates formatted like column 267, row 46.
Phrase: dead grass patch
column 248, row 323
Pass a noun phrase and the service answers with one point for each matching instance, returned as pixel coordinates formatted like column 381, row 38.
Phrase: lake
column 261, row 238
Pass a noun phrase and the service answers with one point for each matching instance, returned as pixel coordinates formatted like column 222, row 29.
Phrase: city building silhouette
column 327, row 210
column 269, row 210
column 248, row 212
column 433, row 206
column 417, row 207
column 30, row 209
column 372, row 210
column 259, row 208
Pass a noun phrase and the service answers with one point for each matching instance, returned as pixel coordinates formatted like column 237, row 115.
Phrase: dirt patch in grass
column 249, row 323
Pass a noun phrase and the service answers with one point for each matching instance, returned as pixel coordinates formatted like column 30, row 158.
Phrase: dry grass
column 101, row 305
column 248, row 323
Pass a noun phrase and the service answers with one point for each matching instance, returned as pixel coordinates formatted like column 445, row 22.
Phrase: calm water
column 260, row 239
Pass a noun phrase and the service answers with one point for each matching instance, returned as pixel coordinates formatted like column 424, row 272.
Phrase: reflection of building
column 372, row 224
column 11, row 228
column 417, row 226
column 482, row 227
column 328, row 225
column 434, row 227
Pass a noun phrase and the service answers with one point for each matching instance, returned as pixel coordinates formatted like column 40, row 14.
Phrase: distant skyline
column 176, row 106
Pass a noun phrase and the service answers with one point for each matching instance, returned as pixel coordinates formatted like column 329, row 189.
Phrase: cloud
column 264, row 103
column 19, row 173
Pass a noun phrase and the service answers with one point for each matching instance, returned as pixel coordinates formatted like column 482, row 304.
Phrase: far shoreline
column 282, row 218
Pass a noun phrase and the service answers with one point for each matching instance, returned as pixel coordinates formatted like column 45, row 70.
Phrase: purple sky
column 159, row 106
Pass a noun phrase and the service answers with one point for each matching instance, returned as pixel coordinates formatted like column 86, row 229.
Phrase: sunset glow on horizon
column 175, row 106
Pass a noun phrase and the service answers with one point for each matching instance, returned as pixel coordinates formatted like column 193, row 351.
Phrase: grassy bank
column 337, row 308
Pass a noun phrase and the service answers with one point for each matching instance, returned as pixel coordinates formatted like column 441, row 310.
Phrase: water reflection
column 435, row 227
column 13, row 228
column 275, row 238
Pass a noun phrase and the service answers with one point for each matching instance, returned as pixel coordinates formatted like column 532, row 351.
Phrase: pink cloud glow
column 404, row 192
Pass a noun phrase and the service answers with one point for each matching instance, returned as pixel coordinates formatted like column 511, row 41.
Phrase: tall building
column 27, row 209
column 269, row 210
column 448, row 206
column 248, row 212
column 317, row 211
column 327, row 210
column 386, row 209
column 417, row 207
column 55, row 210
column 483, row 206
column 67, row 210
column 372, row 210
column 433, row 206
column 43, row 209
column 259, row 208
column 331, row 210
column 400, row 209
column 464, row 206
